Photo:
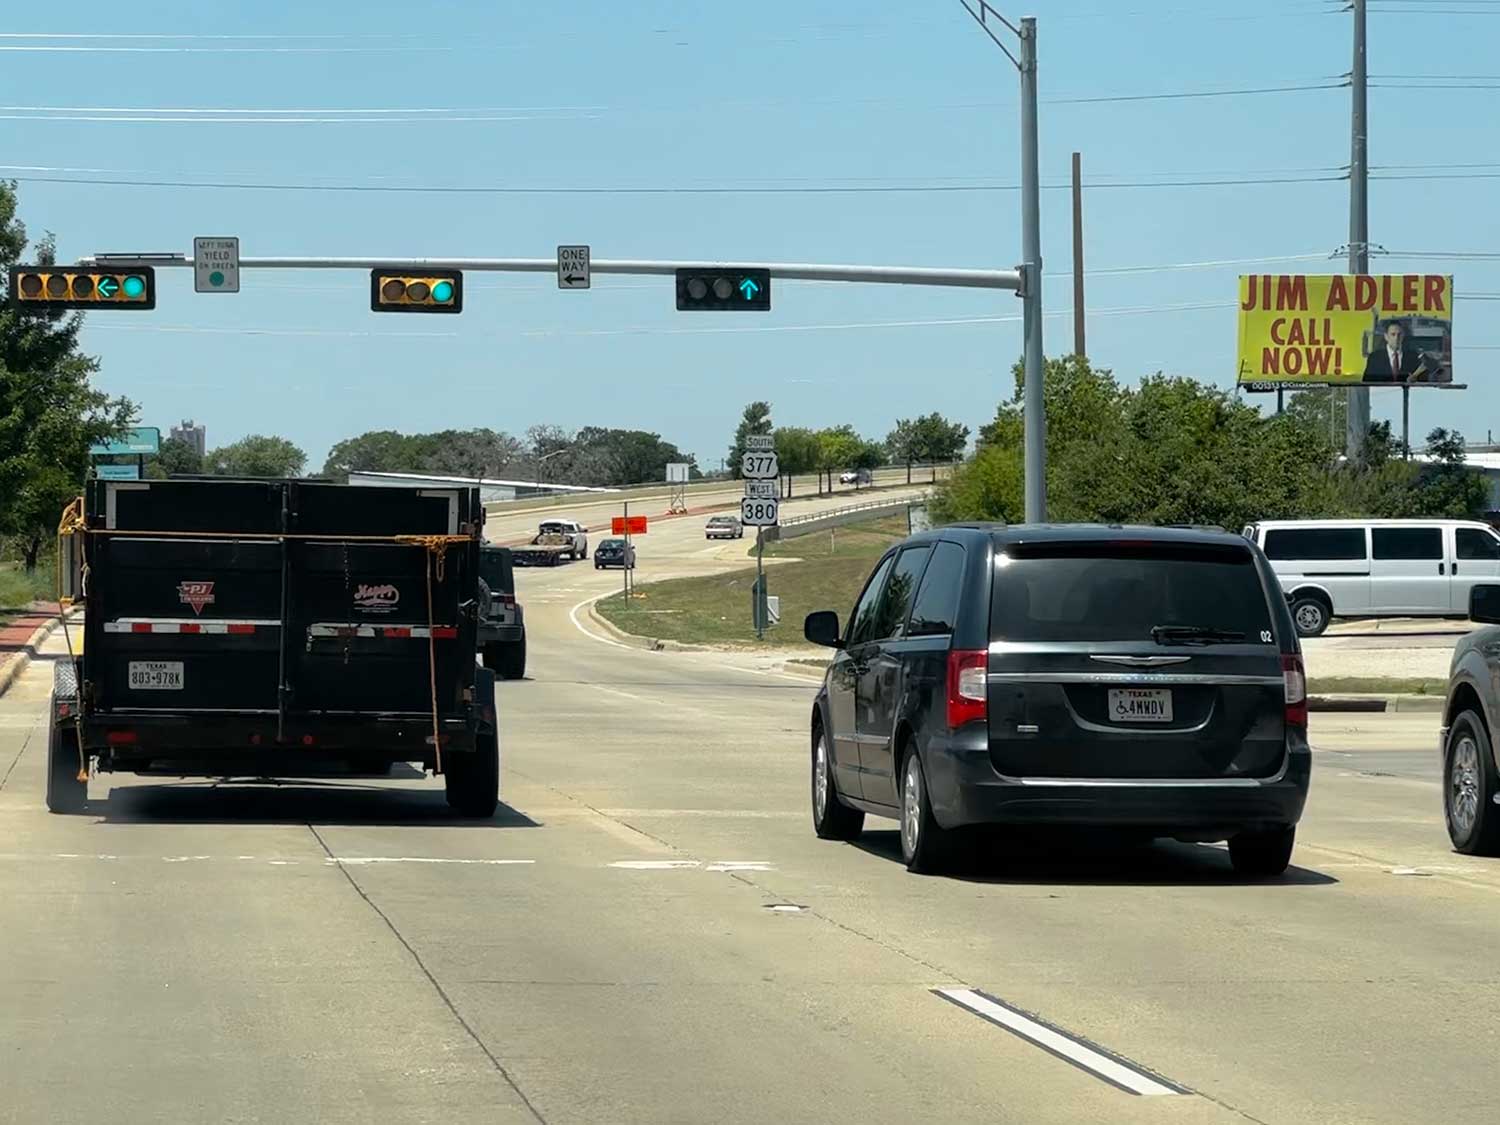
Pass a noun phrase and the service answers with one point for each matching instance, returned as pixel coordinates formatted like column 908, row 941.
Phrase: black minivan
column 1142, row 678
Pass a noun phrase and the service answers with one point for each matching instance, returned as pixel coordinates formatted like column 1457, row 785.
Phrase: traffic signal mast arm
column 787, row 271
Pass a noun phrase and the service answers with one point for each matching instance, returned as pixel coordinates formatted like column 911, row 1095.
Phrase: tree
column 755, row 420
column 467, row 453
column 903, row 445
column 938, row 439
column 838, row 446
column 50, row 413
column 867, row 456
column 258, row 455
column 377, row 451
column 797, row 451
column 175, row 458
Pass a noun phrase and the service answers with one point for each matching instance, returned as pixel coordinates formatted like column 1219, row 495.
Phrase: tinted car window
column 1118, row 592
column 1316, row 543
column 1407, row 542
column 495, row 569
column 863, row 620
column 891, row 619
column 1475, row 544
column 937, row 598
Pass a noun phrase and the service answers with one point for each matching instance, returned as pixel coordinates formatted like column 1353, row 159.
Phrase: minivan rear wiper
column 1194, row 634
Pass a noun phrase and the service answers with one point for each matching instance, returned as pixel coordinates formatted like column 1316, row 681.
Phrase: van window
column 1119, row 591
column 1408, row 542
column 937, row 599
column 1472, row 543
column 898, row 592
column 862, row 621
column 1316, row 543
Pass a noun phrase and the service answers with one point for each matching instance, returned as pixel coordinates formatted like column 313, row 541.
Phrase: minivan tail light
column 967, row 689
column 1294, row 679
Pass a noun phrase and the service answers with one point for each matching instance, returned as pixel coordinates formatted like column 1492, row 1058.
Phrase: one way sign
column 572, row 267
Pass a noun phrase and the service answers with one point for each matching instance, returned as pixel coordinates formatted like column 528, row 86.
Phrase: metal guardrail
column 787, row 528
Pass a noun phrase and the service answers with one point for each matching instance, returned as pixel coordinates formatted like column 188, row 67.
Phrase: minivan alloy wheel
column 820, row 777
column 911, row 806
column 1463, row 784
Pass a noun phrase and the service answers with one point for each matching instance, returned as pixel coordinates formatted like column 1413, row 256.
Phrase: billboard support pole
column 1405, row 422
column 1357, row 414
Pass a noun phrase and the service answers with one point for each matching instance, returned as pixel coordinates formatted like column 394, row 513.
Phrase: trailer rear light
column 1294, row 679
column 64, row 710
column 967, row 689
column 121, row 738
column 308, row 740
column 506, row 600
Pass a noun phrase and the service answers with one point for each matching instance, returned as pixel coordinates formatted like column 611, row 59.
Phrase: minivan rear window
column 1119, row 592
column 1316, row 543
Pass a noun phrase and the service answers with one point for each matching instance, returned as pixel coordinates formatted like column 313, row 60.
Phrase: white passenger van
column 1377, row 568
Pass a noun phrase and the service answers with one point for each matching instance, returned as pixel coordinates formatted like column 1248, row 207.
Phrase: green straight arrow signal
column 748, row 288
column 108, row 287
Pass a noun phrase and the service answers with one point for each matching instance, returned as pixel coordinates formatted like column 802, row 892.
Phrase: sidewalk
column 21, row 636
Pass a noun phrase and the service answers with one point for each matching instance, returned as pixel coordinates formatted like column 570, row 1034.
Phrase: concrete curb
column 12, row 669
column 634, row 640
column 1405, row 704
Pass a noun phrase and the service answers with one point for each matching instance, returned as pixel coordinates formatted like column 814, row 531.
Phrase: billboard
column 1345, row 329
column 139, row 441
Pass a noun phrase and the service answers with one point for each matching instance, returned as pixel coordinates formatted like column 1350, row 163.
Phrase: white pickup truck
column 554, row 542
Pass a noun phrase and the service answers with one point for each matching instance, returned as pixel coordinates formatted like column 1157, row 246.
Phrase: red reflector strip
column 444, row 633
column 140, row 627
column 191, row 628
column 395, row 631
column 241, row 629
column 388, row 632
column 194, row 628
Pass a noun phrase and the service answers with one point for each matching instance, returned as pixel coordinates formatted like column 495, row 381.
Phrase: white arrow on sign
column 755, row 465
column 573, row 267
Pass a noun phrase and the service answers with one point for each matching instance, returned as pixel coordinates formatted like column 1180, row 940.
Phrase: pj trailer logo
column 196, row 594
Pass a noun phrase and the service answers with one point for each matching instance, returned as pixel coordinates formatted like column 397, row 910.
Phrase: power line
column 1182, row 94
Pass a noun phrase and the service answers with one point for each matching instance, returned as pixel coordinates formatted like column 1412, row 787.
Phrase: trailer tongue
column 276, row 629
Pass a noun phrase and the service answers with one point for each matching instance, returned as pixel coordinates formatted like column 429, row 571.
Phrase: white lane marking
column 1098, row 1062
column 655, row 864
column 183, row 858
column 589, row 633
column 739, row 865
column 348, row 860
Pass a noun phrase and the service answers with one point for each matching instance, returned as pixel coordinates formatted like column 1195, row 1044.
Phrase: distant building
column 192, row 434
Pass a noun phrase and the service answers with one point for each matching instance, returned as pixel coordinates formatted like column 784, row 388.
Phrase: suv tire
column 511, row 664
column 1469, row 787
column 832, row 819
column 926, row 847
column 1262, row 855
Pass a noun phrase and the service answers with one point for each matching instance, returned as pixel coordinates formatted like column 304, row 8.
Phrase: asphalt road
column 650, row 932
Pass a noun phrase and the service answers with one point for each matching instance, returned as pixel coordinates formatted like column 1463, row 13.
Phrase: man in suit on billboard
column 1393, row 361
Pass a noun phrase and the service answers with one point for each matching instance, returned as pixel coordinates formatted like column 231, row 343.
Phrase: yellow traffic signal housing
column 79, row 287
column 398, row 289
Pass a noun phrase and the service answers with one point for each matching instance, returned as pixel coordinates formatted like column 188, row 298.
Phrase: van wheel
column 926, row 846
column 65, row 793
column 1262, row 855
column 832, row 819
column 1311, row 615
column 472, row 781
column 1469, row 788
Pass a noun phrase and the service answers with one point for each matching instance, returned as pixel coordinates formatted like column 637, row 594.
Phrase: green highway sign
column 139, row 441
column 117, row 472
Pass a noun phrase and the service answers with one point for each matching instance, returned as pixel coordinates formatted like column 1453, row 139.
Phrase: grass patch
column 1377, row 685
column 19, row 589
column 715, row 609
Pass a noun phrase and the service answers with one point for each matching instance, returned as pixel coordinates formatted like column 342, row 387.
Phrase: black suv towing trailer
column 271, row 628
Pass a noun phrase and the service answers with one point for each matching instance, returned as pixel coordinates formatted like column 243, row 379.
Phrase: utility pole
column 1357, row 413
column 1078, row 344
column 1033, row 415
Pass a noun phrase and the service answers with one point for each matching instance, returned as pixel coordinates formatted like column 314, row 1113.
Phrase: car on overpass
column 1148, row 680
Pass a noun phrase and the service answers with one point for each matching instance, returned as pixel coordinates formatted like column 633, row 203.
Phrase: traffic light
column 398, row 289
column 82, row 287
column 733, row 287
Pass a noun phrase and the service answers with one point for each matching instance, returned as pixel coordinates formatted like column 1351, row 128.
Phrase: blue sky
column 781, row 93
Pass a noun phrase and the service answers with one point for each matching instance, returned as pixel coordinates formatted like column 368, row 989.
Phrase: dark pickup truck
column 269, row 628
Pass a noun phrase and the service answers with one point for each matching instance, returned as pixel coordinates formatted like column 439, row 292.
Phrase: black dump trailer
column 274, row 628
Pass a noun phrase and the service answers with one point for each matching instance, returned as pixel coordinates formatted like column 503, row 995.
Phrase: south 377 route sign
column 756, row 512
column 759, row 465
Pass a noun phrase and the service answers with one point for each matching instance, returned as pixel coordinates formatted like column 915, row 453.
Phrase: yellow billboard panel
column 1345, row 328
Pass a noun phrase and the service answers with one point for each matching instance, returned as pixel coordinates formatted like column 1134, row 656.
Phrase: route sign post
column 677, row 476
column 573, row 267
column 216, row 265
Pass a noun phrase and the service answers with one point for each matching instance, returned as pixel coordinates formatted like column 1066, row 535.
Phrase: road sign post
column 216, row 265
column 573, row 267
column 677, row 476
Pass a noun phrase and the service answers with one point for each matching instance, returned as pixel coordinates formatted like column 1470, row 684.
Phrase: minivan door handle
column 1455, row 568
column 1440, row 569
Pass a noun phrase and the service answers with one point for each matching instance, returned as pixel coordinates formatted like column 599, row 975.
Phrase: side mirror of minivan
column 822, row 628
column 1484, row 604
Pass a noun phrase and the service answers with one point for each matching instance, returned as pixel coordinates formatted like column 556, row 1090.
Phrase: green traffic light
column 442, row 292
column 134, row 286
